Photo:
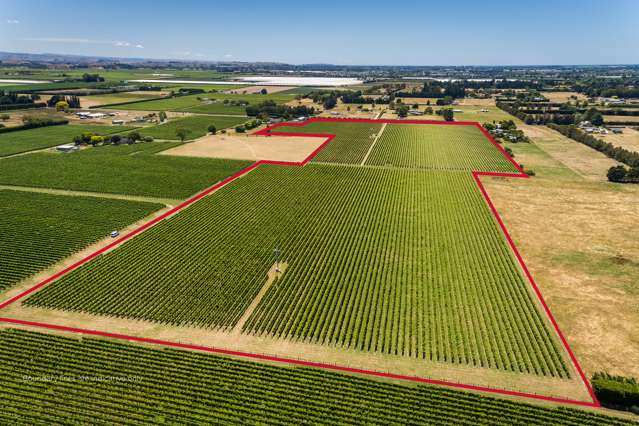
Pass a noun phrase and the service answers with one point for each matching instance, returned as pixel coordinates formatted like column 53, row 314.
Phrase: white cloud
column 117, row 43
column 228, row 55
column 12, row 21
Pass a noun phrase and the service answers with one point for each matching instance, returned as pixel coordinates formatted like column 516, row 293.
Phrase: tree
column 402, row 111
column 4, row 117
column 61, row 106
column 428, row 110
column 162, row 116
column 263, row 91
column 448, row 114
column 616, row 173
column 212, row 129
column 181, row 133
column 330, row 102
column 134, row 136
column 96, row 140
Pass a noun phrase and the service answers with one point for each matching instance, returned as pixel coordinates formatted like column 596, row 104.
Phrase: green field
column 113, row 98
column 49, row 379
column 350, row 145
column 40, row 229
column 45, row 137
column 206, row 103
column 122, row 169
column 366, row 266
column 197, row 126
column 18, row 73
column 443, row 147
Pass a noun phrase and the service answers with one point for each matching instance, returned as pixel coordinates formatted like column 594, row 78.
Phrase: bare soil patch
column 249, row 147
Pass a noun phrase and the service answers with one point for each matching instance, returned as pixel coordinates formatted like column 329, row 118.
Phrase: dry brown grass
column 249, row 147
column 583, row 160
column 629, row 139
column 563, row 96
column 574, row 235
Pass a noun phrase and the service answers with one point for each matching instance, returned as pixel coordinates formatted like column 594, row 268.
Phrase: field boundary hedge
column 32, row 126
column 11, row 107
column 294, row 361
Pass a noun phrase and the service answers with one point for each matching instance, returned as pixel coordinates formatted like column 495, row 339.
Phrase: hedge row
column 33, row 125
column 22, row 106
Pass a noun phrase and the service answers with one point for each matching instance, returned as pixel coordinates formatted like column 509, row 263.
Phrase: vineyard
column 48, row 379
column 196, row 125
column 350, row 144
column 45, row 137
column 395, row 261
column 441, row 147
column 122, row 169
column 40, row 229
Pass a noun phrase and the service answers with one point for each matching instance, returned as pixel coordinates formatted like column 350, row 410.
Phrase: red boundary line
column 329, row 137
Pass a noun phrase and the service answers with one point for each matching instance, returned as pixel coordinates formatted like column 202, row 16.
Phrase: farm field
column 196, row 125
column 40, row 229
column 132, row 169
column 632, row 118
column 629, row 139
column 439, row 147
column 174, row 386
column 112, row 98
column 229, row 267
column 581, row 159
column 350, row 144
column 469, row 113
column 44, row 137
column 208, row 103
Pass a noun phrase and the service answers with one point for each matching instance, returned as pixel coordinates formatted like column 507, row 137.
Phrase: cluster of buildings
column 588, row 127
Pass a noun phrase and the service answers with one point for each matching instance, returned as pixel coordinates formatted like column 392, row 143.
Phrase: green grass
column 350, row 144
column 99, row 381
column 40, row 229
column 368, row 268
column 197, row 126
column 112, row 98
column 438, row 147
column 110, row 75
column 123, row 169
column 208, row 103
column 45, row 137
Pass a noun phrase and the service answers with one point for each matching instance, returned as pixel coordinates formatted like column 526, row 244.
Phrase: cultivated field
column 150, row 385
column 207, row 103
column 350, row 145
column 40, row 229
column 45, row 137
column 113, row 98
column 196, row 126
column 122, row 169
column 366, row 266
column 438, row 147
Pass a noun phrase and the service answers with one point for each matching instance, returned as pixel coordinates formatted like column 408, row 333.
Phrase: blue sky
column 423, row 32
